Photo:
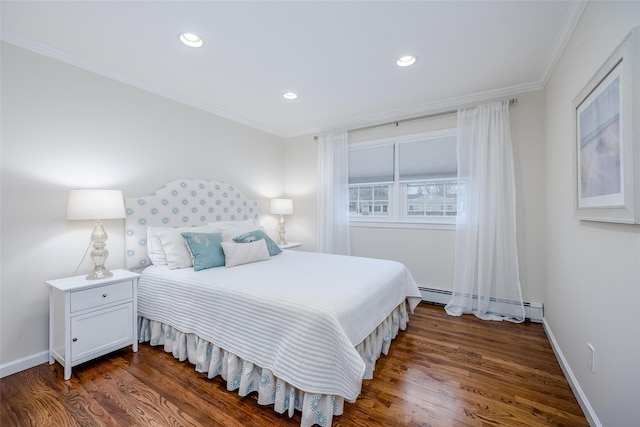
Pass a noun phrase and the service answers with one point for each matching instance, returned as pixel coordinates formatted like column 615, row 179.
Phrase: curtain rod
column 512, row 101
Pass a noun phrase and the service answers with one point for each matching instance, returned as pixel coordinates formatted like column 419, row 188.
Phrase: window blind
column 427, row 159
column 371, row 164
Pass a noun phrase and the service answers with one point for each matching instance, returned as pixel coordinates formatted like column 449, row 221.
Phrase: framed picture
column 607, row 149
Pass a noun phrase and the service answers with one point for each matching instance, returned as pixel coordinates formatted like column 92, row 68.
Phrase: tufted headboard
column 181, row 203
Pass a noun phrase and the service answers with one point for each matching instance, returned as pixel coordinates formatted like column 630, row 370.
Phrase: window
column 405, row 180
column 370, row 176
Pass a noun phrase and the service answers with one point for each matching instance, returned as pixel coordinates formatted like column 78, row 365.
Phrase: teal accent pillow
column 254, row 235
column 206, row 249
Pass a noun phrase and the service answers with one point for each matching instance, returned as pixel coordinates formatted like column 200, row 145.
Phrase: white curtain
column 486, row 280
column 333, row 194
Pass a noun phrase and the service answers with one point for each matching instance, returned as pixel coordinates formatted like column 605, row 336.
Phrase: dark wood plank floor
column 442, row 371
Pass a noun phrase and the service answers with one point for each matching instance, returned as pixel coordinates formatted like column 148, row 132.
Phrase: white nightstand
column 90, row 318
column 290, row 245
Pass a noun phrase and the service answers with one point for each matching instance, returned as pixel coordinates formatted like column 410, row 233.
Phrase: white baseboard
column 592, row 418
column 16, row 366
column 534, row 311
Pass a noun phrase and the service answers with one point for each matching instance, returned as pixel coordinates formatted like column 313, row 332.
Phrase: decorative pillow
column 154, row 247
column 174, row 246
column 228, row 234
column 205, row 248
column 252, row 236
column 244, row 253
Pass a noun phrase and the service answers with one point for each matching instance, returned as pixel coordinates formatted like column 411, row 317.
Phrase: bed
column 300, row 329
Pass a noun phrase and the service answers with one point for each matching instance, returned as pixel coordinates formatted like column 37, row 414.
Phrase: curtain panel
column 333, row 194
column 486, row 279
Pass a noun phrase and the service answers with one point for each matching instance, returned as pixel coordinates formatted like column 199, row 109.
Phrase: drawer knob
column 104, row 295
column 75, row 339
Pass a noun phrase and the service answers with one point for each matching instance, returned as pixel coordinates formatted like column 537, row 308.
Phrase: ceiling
column 339, row 56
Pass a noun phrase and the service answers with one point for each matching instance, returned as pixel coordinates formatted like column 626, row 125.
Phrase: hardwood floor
column 442, row 371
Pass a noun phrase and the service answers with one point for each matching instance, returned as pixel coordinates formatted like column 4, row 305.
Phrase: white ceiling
column 339, row 56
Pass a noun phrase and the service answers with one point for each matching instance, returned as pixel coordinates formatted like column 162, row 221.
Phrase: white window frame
column 397, row 217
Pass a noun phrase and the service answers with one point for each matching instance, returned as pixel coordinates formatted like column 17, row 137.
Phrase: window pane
column 431, row 198
column 366, row 193
column 415, row 199
column 353, row 193
column 381, row 208
column 434, row 190
column 451, row 190
column 371, row 164
column 381, row 192
column 365, row 200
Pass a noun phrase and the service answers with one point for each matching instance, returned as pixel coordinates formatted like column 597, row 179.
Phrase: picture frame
column 606, row 139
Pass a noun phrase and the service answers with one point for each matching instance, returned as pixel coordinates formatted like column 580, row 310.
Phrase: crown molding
column 576, row 8
column 423, row 109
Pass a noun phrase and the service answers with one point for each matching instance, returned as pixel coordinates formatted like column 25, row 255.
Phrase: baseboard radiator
column 533, row 310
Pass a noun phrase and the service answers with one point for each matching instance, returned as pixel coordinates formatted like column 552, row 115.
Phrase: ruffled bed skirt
column 246, row 378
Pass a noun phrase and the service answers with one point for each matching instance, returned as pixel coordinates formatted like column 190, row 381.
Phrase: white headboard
column 181, row 203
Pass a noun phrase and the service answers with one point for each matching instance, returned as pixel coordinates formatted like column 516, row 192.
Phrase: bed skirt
column 246, row 378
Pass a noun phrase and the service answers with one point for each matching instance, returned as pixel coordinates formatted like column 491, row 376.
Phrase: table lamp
column 96, row 205
column 281, row 207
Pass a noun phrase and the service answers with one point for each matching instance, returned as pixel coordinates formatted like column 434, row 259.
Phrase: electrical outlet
column 592, row 358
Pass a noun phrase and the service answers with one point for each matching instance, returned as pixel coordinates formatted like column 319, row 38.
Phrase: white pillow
column 154, row 247
column 231, row 229
column 175, row 247
column 223, row 225
column 244, row 253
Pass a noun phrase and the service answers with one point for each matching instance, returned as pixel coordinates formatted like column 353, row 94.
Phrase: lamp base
column 99, row 272
column 282, row 240
column 99, row 254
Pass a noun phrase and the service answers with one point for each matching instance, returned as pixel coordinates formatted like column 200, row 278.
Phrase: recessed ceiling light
column 191, row 40
column 289, row 95
column 405, row 61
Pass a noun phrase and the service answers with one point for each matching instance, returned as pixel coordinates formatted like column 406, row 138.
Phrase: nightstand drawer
column 94, row 297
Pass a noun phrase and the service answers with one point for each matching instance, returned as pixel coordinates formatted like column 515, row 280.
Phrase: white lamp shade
column 95, row 204
column 281, row 206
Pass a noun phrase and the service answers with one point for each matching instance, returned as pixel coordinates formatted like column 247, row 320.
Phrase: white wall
column 64, row 128
column 592, row 289
column 429, row 253
column 301, row 158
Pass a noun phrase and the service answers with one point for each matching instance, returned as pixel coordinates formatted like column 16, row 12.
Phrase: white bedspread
column 299, row 314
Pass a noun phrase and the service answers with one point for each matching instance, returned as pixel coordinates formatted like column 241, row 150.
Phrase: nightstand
column 90, row 318
column 290, row 245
